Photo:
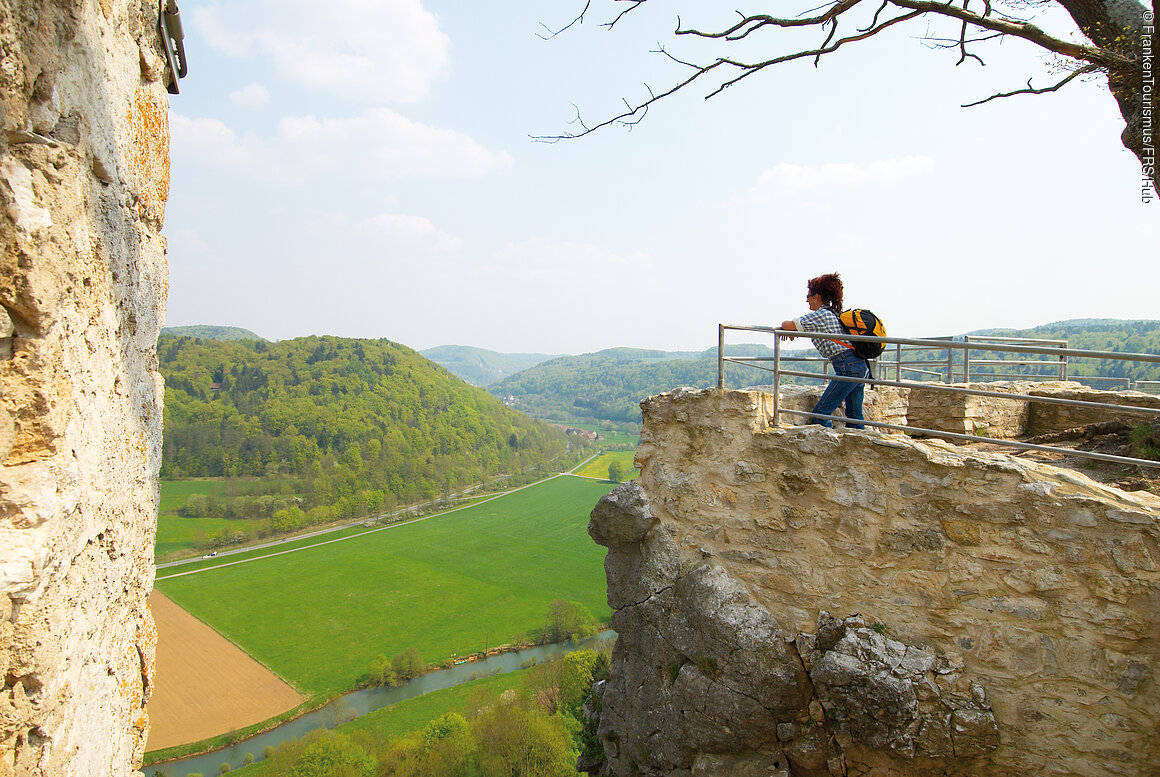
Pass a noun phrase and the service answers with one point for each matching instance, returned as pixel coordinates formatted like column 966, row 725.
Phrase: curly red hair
column 829, row 287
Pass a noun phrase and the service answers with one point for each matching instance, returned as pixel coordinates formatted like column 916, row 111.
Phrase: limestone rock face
column 84, row 177
column 800, row 602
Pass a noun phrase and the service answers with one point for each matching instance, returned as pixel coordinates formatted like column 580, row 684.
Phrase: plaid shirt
column 826, row 321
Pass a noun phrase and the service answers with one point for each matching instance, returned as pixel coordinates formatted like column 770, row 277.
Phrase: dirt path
column 205, row 685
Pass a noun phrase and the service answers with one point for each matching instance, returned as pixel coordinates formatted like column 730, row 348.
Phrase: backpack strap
column 840, row 342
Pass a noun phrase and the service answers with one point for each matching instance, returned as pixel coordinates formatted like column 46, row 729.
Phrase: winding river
column 360, row 703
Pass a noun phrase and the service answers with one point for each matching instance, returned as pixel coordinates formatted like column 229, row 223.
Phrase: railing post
column 776, row 379
column 1063, row 364
column 721, row 356
column 966, row 361
column 898, row 361
column 950, row 364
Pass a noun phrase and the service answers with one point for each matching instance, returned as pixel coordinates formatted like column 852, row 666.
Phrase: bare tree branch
column 1089, row 68
column 751, row 68
column 1028, row 32
column 632, row 7
column 578, row 20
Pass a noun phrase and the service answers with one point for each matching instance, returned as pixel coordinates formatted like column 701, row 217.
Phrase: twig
column 1089, row 68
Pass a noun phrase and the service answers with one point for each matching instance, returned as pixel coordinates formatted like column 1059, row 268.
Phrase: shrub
column 1145, row 439
column 408, row 664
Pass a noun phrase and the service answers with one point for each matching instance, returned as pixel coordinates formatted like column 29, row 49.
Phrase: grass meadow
column 454, row 583
column 598, row 467
column 176, row 533
column 175, row 492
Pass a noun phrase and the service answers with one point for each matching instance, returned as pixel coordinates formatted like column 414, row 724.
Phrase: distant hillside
column 1083, row 332
column 207, row 332
column 367, row 421
column 609, row 385
column 1096, row 334
column 481, row 367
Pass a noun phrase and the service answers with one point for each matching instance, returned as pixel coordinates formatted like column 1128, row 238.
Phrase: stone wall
column 1010, row 418
column 798, row 601
column 1044, row 418
column 83, row 183
column 886, row 404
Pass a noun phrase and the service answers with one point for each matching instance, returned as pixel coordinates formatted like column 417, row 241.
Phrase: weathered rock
column 1009, row 610
column 946, row 411
column 82, row 289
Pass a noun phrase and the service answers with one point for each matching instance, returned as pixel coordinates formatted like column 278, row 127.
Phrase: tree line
column 609, row 385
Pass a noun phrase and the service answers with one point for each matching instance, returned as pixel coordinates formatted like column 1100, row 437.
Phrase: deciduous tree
column 567, row 621
column 615, row 471
column 408, row 664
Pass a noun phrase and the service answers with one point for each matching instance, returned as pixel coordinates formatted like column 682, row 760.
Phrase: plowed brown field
column 205, row 684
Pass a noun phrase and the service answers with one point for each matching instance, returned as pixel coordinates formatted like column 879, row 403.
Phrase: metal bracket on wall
column 173, row 37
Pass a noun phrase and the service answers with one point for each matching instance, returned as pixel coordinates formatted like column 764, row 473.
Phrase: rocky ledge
column 800, row 602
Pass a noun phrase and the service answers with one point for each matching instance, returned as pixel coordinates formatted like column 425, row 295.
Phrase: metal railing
column 1008, row 345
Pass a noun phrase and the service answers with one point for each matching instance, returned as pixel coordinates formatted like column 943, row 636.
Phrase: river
column 361, row 702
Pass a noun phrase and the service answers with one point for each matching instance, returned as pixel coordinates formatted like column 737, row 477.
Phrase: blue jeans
column 838, row 391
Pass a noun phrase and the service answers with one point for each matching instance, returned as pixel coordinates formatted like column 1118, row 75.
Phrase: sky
column 368, row 168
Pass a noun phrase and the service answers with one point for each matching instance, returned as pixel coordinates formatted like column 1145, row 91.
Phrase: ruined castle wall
column 1011, row 418
column 83, row 182
column 800, row 602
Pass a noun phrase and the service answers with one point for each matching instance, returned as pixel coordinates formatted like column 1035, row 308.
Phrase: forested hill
column 479, row 366
column 609, row 385
column 1097, row 334
column 210, row 332
column 337, row 414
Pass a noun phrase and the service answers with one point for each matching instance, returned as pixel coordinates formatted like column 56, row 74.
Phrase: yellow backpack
column 859, row 321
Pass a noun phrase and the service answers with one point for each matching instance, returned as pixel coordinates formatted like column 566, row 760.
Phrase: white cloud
column 387, row 145
column 376, row 145
column 838, row 177
column 370, row 50
column 250, row 96
column 211, row 141
column 414, row 231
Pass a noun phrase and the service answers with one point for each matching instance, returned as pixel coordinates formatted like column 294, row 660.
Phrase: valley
column 321, row 546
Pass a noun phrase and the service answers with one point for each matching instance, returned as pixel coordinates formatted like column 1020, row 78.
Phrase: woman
column 824, row 296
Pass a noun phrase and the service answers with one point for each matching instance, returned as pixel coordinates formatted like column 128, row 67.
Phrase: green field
column 175, row 492
column 175, row 534
column 598, row 467
column 483, row 575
